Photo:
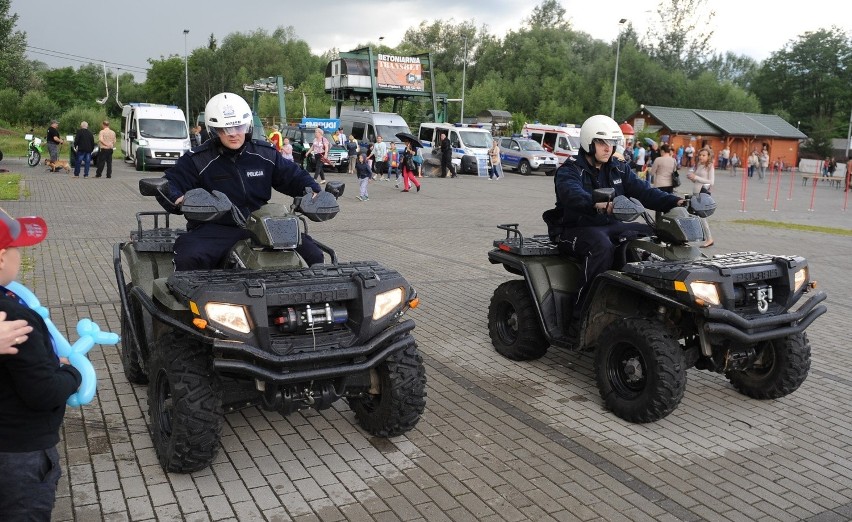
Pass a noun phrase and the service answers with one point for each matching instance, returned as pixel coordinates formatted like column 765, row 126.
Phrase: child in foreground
column 34, row 387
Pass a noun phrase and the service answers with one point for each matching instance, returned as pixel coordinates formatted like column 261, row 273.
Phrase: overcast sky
column 129, row 33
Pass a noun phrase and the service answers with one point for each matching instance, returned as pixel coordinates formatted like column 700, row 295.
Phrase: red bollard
column 744, row 190
column 777, row 189
column 792, row 177
column 813, row 194
column 846, row 181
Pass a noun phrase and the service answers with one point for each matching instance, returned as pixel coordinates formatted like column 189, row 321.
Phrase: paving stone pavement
column 500, row 440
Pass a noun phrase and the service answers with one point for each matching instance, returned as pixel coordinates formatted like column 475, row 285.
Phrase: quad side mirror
column 153, row 186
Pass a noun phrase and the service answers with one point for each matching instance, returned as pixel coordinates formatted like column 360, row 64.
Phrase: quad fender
column 552, row 283
column 613, row 295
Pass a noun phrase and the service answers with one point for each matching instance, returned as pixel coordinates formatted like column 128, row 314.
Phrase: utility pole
column 186, row 73
column 617, row 53
column 464, row 71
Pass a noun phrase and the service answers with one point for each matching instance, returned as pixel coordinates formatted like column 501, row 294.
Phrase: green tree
column 15, row 71
column 681, row 38
column 243, row 58
column 37, row 109
column 10, row 101
column 128, row 91
column 447, row 41
column 484, row 95
column 165, row 81
column 69, row 87
column 733, row 68
column 810, row 79
column 548, row 15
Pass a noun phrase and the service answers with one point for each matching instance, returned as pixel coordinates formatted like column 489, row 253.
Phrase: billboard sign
column 404, row 73
column 326, row 124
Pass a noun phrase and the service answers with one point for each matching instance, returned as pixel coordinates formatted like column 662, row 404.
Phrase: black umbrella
column 410, row 138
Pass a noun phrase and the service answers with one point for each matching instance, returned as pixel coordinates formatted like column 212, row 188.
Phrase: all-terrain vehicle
column 664, row 308
column 264, row 329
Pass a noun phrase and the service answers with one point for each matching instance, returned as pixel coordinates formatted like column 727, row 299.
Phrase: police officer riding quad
column 662, row 309
column 265, row 329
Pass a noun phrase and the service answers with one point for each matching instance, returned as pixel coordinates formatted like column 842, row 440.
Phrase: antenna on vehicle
column 105, row 98
column 120, row 105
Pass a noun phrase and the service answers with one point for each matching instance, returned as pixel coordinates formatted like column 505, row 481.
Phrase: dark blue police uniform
column 580, row 230
column 247, row 176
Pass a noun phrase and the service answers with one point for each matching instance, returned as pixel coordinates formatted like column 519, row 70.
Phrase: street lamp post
column 617, row 53
column 186, row 73
column 464, row 71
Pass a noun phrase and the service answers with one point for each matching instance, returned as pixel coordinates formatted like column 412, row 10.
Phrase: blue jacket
column 576, row 179
column 247, row 176
column 362, row 170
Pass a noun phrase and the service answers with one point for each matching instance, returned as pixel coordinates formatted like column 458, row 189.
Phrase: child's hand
column 64, row 361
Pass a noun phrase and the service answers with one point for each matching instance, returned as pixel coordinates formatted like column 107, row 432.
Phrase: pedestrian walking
column 362, row 170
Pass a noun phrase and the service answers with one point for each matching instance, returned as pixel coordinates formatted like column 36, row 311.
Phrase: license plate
column 168, row 162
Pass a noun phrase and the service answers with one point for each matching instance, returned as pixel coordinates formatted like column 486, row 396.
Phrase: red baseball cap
column 21, row 232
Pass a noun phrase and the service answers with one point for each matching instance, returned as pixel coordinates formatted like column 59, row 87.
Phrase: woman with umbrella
column 408, row 167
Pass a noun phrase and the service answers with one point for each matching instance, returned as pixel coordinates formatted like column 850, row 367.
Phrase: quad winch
column 264, row 329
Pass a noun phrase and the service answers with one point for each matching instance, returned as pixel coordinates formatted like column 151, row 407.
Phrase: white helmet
column 599, row 127
column 228, row 111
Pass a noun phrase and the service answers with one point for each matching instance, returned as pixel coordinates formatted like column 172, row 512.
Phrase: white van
column 470, row 146
column 153, row 135
column 365, row 125
column 562, row 140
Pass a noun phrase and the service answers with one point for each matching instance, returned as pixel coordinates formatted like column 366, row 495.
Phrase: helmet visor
column 601, row 141
column 231, row 131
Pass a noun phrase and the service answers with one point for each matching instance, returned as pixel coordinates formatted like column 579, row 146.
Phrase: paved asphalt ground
column 500, row 440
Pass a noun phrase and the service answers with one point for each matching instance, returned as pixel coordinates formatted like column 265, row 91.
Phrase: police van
column 470, row 146
column 562, row 140
column 153, row 135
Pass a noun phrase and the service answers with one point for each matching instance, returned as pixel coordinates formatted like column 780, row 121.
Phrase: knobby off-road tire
column 184, row 405
column 401, row 399
column 34, row 158
column 513, row 323
column 780, row 369
column 640, row 369
column 130, row 351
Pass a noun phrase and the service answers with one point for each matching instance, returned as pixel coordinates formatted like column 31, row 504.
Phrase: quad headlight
column 230, row 316
column 707, row 292
column 386, row 302
column 800, row 278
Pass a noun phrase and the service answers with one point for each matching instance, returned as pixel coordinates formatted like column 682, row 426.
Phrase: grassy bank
column 10, row 187
column 794, row 226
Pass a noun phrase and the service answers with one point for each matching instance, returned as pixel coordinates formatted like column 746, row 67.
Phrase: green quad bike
column 665, row 309
column 264, row 330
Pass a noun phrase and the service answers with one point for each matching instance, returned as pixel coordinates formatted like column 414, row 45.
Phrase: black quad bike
column 665, row 308
column 264, row 329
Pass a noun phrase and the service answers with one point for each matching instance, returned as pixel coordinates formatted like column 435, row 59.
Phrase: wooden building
column 740, row 131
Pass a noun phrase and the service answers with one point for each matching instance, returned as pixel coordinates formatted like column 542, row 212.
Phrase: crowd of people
column 377, row 160
column 84, row 147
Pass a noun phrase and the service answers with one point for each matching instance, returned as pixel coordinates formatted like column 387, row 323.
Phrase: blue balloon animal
column 89, row 333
